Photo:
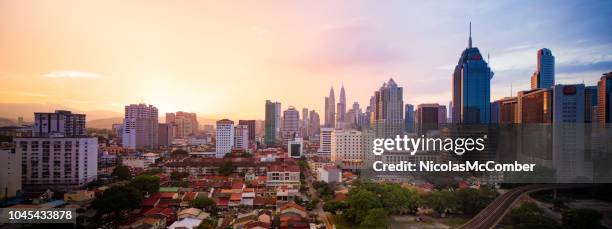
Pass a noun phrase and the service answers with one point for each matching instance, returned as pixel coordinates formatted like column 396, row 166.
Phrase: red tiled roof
column 236, row 196
column 152, row 200
column 166, row 195
column 292, row 205
column 283, row 168
column 189, row 196
column 237, row 185
column 254, row 224
column 222, row 201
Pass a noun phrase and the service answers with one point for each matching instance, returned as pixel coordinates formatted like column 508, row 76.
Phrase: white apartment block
column 140, row 126
column 10, row 173
column 346, row 146
column 241, row 137
column 63, row 163
column 325, row 140
column 225, row 137
column 60, row 122
column 329, row 174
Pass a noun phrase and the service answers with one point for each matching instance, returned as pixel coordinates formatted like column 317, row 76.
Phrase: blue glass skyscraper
column 544, row 76
column 471, row 87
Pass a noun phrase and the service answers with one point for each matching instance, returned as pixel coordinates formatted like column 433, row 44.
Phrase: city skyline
column 193, row 65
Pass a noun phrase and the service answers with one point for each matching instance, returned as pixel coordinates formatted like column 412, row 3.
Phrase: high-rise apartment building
column 428, row 117
column 61, row 122
column 568, row 103
column 291, row 124
column 388, row 110
column 544, row 76
column 604, row 98
column 325, row 140
column 10, row 172
column 225, row 137
column 506, row 109
column 164, row 134
column 569, row 133
column 62, row 163
column 304, row 123
column 251, row 126
column 271, row 125
column 241, row 137
column 590, row 103
column 140, row 126
column 409, row 118
column 471, row 87
column 346, row 147
column 330, row 109
column 186, row 123
column 534, row 106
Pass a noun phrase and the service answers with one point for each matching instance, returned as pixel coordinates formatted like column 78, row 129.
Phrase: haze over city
column 224, row 60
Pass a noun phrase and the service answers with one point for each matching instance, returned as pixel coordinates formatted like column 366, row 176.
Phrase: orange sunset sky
column 225, row 58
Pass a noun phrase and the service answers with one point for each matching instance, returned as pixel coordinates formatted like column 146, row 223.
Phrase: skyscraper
column 330, row 109
column 604, row 97
column 186, row 123
column 224, row 138
column 291, row 124
column 241, row 137
column 140, row 126
column 164, row 134
column 304, row 123
column 388, row 110
column 544, row 76
column 61, row 122
column 590, row 103
column 471, row 87
column 314, row 124
column 428, row 117
column 534, row 106
column 341, row 117
column 409, row 118
column 251, row 126
column 271, row 125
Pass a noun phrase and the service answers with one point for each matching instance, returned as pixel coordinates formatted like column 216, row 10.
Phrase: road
column 319, row 208
column 491, row 215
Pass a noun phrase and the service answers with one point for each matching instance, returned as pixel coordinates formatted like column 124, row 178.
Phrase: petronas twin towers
column 331, row 119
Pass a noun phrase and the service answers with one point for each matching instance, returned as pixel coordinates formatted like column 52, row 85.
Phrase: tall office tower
column 278, row 119
column 590, row 102
column 251, row 125
column 186, row 123
column 62, row 163
column 471, row 87
column 495, row 110
column 241, row 137
column 409, row 118
column 330, row 109
column 140, row 126
column 534, row 106
column 442, row 114
column 427, row 117
column 346, row 147
column 568, row 103
column 225, row 137
column 544, row 76
column 270, row 124
column 450, row 112
column 604, row 97
column 569, row 133
column 341, row 117
column 10, row 172
column 314, row 124
column 363, row 121
column 388, row 110
column 356, row 110
column 61, row 122
column 508, row 110
column 325, row 136
column 291, row 124
column 164, row 134
column 304, row 123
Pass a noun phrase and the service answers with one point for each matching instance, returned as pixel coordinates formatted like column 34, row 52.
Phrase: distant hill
column 105, row 123
column 26, row 110
column 7, row 122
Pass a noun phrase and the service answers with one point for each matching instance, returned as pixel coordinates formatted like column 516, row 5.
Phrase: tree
column 333, row 206
column 359, row 204
column 208, row 224
column 146, row 184
column 529, row 216
column 398, row 199
column 117, row 199
column 376, row 218
column 227, row 168
column 581, row 218
column 179, row 153
column 441, row 201
column 152, row 172
column 203, row 202
column 121, row 172
column 471, row 201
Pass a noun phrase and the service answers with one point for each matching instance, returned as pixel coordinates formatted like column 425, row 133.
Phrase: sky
column 223, row 59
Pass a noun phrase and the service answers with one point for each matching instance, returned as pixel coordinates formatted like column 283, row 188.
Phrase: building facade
column 10, row 172
column 140, row 126
column 604, row 98
column 224, row 138
column 241, row 137
column 544, row 76
column 346, row 147
column 186, row 123
column 388, row 110
column 60, row 122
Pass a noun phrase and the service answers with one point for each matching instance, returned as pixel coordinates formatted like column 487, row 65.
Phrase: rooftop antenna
column 470, row 41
